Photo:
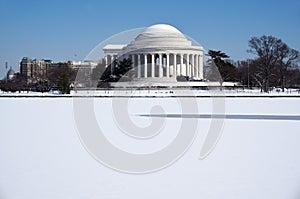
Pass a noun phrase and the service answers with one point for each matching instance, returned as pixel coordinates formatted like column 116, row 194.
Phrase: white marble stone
column 156, row 48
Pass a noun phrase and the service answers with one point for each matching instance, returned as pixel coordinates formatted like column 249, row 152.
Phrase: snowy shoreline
column 153, row 93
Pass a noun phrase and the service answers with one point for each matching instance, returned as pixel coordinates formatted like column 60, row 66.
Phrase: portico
column 161, row 52
column 160, row 64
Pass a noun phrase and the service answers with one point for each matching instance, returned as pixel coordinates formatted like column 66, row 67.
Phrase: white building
column 10, row 74
column 161, row 53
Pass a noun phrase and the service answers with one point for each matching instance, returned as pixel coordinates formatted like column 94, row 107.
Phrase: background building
column 10, row 74
column 34, row 70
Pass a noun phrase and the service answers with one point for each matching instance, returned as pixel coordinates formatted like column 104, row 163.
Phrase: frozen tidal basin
column 41, row 154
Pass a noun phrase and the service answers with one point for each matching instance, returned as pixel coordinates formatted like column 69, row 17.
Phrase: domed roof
column 11, row 72
column 162, row 30
column 160, row 36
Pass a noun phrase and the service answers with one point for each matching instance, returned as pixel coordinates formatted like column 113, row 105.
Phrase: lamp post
column 248, row 75
column 6, row 66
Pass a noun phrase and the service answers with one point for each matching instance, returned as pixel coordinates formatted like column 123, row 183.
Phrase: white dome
column 10, row 72
column 161, row 30
column 159, row 36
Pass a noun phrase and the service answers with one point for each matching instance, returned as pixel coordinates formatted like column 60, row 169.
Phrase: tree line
column 275, row 65
column 57, row 78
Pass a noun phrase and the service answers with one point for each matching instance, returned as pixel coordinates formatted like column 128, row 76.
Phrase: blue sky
column 60, row 29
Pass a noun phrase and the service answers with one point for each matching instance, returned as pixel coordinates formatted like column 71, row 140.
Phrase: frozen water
column 41, row 155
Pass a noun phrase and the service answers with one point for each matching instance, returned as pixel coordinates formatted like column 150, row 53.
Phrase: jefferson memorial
column 160, row 54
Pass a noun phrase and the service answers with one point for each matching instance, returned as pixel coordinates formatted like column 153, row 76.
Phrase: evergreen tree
column 226, row 69
column 63, row 83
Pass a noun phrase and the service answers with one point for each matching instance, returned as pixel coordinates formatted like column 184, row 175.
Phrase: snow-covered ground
column 41, row 155
column 155, row 93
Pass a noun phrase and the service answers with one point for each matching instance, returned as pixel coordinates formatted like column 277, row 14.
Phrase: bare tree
column 288, row 58
column 266, row 48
